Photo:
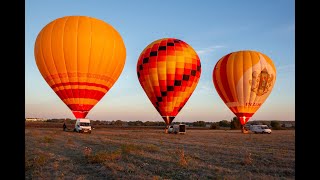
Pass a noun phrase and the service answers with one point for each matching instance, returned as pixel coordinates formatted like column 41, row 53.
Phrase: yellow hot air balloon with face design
column 80, row 57
column 244, row 80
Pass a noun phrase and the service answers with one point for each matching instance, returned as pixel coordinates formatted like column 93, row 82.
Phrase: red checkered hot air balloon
column 80, row 58
column 168, row 70
column 244, row 80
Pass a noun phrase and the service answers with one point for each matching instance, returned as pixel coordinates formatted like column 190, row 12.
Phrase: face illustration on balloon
column 168, row 70
column 244, row 80
column 80, row 58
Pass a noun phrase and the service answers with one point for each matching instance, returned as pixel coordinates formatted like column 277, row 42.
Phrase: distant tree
column 55, row 120
column 135, row 123
column 151, row 123
column 215, row 125
column 161, row 123
column 266, row 123
column 255, row 123
column 199, row 123
column 275, row 124
column 98, row 122
column 235, row 123
column 68, row 120
column 224, row 123
column 147, row 123
column 131, row 123
column 118, row 123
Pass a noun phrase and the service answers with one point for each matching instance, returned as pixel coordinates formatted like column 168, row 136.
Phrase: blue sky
column 213, row 28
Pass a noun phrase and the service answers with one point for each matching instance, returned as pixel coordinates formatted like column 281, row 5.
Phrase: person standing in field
column 64, row 126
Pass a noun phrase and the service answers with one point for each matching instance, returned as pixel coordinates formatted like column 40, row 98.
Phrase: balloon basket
column 244, row 131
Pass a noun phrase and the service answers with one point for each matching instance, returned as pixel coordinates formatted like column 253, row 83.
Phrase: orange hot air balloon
column 168, row 70
column 244, row 80
column 80, row 57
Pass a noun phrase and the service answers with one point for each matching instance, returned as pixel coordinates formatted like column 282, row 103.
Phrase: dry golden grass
column 109, row 153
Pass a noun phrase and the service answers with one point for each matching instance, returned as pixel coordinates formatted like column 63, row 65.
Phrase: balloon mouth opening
column 244, row 117
column 80, row 114
column 168, row 119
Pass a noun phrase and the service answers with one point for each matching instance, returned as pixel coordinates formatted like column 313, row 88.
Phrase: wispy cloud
column 209, row 49
column 205, row 88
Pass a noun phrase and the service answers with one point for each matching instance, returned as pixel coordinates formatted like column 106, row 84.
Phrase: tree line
column 234, row 123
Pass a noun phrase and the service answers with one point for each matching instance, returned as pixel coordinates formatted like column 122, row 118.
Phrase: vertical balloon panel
column 168, row 70
column 244, row 80
column 80, row 58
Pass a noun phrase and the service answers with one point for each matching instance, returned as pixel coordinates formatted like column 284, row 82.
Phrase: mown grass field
column 146, row 153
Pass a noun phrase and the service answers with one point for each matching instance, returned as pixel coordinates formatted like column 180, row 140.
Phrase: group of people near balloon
column 81, row 57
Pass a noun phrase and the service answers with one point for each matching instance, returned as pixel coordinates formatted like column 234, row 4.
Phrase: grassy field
column 146, row 153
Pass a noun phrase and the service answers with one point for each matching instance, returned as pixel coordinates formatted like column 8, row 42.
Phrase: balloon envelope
column 80, row 57
column 244, row 80
column 168, row 70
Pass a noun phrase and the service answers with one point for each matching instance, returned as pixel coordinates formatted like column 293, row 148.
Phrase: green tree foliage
column 224, row 123
column 215, row 125
column 135, row 123
column 199, row 123
column 266, row 123
column 275, row 124
column 154, row 123
column 235, row 123
column 118, row 123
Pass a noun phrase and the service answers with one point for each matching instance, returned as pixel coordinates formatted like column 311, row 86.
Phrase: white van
column 82, row 126
column 177, row 128
column 260, row 129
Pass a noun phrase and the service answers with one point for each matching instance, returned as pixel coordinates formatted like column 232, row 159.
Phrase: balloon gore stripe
column 80, row 84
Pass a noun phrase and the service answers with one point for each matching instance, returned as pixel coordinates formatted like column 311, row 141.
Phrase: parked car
column 260, row 129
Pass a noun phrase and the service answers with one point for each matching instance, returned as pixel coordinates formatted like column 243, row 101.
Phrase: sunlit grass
column 151, row 154
column 46, row 139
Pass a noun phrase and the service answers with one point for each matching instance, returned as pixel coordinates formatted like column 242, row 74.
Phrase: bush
column 275, row 124
column 199, row 123
column 224, row 123
column 235, row 123
column 214, row 126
